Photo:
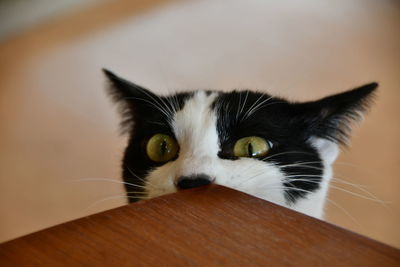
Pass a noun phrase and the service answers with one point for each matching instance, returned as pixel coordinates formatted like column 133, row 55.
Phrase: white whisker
column 287, row 152
column 338, row 188
column 244, row 102
column 145, row 182
column 111, row 198
column 251, row 107
column 106, row 180
column 344, row 211
column 257, row 107
column 328, row 199
column 163, row 111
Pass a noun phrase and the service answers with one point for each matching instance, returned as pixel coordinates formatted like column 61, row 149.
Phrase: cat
column 250, row 141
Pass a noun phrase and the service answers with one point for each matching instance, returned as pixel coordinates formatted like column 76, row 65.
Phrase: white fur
column 314, row 204
column 195, row 130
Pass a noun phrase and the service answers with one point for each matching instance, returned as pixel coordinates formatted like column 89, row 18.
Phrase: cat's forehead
column 194, row 125
column 197, row 112
column 236, row 100
column 229, row 109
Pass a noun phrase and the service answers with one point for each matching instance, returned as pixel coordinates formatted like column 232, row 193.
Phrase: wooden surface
column 204, row 226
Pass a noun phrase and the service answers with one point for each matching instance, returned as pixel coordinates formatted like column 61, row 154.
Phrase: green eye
column 251, row 147
column 161, row 148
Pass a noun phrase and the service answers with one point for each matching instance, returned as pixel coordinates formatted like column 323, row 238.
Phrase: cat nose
column 186, row 182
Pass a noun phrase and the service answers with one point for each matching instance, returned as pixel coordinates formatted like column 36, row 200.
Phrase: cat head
column 250, row 141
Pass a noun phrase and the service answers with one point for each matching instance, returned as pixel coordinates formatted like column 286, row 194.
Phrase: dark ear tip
column 109, row 73
column 366, row 90
column 372, row 86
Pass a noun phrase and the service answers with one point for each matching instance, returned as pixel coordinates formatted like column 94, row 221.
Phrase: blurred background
column 59, row 131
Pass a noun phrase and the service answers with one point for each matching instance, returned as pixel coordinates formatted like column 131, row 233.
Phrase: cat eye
column 161, row 148
column 251, row 147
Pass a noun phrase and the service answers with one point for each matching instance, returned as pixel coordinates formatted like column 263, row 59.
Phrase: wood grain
column 204, row 226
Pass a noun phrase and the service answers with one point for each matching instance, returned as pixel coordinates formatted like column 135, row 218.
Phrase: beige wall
column 57, row 126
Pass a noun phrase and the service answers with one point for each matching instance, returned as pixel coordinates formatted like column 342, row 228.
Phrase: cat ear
column 129, row 97
column 126, row 91
column 331, row 117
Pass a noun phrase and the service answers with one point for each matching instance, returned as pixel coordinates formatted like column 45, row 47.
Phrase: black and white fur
column 305, row 139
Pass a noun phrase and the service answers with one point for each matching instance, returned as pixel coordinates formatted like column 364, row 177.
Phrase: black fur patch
column 289, row 127
column 273, row 121
column 150, row 114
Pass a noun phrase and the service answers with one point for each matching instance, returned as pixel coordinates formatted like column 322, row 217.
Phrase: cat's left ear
column 331, row 117
column 131, row 99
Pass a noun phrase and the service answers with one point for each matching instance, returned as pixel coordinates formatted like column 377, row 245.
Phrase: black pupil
column 163, row 147
column 250, row 149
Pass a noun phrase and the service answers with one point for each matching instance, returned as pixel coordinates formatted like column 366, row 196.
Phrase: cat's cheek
column 328, row 150
column 161, row 181
column 261, row 179
column 313, row 204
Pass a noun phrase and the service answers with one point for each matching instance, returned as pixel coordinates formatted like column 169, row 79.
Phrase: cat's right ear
column 123, row 90
column 129, row 97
